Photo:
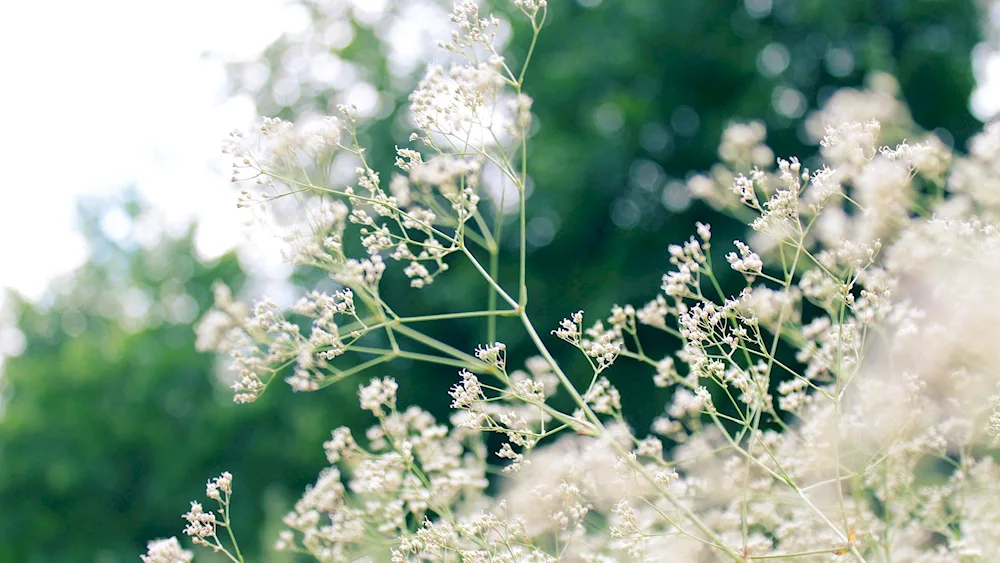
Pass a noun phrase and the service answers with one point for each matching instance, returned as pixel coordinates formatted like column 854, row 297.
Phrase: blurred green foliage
column 112, row 421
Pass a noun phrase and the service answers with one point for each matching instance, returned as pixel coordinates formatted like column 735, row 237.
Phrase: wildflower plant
column 842, row 406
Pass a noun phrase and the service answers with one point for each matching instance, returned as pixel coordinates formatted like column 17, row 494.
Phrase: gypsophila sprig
column 842, row 405
column 747, row 262
column 166, row 551
column 203, row 527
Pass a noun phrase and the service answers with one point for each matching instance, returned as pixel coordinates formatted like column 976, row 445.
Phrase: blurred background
column 110, row 238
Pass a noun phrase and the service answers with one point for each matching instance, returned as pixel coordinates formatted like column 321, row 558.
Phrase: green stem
column 486, row 275
column 471, row 362
column 451, row 316
column 229, row 530
column 491, row 298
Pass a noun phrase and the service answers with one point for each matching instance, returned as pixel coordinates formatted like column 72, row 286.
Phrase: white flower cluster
column 409, row 225
column 743, row 145
column 280, row 146
column 166, row 551
column 518, row 412
column 412, row 468
column 690, row 260
column 747, row 262
column 260, row 339
column 379, row 395
column 202, row 526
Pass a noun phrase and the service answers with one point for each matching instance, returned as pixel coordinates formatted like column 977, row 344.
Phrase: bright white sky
column 98, row 95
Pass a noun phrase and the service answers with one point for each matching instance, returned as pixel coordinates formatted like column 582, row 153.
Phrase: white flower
column 222, row 485
column 166, row 551
column 742, row 143
column 570, row 329
column 850, row 144
column 340, row 445
column 201, row 524
column 494, row 354
column 666, row 372
column 379, row 394
column 468, row 393
column 603, row 398
column 747, row 262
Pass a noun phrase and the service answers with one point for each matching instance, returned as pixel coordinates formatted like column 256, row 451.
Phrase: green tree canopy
column 112, row 420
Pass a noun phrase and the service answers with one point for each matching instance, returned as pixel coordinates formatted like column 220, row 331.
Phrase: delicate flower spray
column 842, row 406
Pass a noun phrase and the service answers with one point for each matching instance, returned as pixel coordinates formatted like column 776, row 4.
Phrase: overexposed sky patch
column 106, row 94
